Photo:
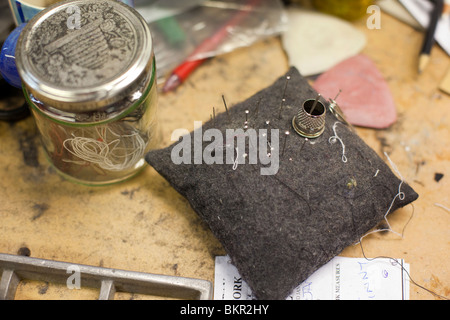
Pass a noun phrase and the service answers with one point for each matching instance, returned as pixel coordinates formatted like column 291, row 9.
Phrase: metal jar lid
column 82, row 55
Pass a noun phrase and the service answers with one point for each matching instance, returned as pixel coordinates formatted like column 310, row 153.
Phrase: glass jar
column 89, row 76
column 23, row 10
column 346, row 9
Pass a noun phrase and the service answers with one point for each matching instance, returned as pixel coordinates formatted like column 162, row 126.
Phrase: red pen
column 183, row 70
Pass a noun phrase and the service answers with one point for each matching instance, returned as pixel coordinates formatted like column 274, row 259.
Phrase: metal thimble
column 310, row 119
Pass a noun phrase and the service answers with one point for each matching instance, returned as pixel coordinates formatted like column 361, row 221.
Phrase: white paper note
column 421, row 11
column 340, row 279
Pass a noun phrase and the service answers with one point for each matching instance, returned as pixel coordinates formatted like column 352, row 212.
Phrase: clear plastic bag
column 181, row 27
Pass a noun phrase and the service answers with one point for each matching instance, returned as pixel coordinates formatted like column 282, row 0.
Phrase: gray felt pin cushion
column 280, row 222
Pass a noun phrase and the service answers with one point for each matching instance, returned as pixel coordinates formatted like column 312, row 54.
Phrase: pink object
column 365, row 99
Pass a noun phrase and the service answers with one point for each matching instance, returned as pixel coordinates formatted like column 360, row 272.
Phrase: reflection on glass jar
column 92, row 90
column 98, row 148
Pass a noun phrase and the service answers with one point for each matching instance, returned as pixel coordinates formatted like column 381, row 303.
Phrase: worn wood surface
column 144, row 225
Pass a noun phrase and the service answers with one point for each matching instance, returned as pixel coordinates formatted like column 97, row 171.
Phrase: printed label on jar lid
column 81, row 45
column 83, row 50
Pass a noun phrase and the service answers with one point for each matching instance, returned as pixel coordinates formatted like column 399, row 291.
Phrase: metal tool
column 337, row 112
column 109, row 281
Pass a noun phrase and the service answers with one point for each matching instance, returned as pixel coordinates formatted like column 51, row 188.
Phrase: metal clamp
column 337, row 112
column 109, row 281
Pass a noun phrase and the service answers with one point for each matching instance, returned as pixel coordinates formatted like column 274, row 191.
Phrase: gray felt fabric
column 279, row 229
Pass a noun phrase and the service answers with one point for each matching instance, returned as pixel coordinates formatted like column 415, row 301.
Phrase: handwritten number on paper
column 306, row 291
column 364, row 275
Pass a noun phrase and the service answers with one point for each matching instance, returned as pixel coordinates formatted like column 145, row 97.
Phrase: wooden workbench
column 145, row 225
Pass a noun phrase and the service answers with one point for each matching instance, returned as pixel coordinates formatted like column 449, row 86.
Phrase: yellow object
column 445, row 84
column 346, row 9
